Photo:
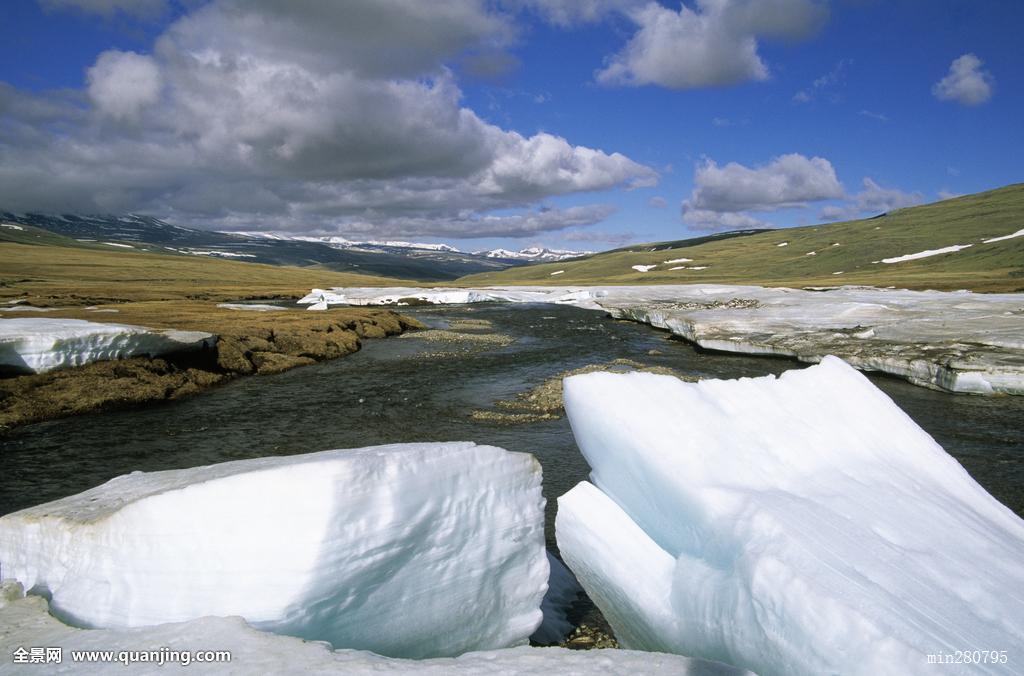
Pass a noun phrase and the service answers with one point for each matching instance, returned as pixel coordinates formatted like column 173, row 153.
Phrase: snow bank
column 25, row 623
column 410, row 550
column 794, row 525
column 958, row 342
column 644, row 268
column 445, row 296
column 38, row 345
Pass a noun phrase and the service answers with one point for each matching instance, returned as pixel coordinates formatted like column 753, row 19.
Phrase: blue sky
column 594, row 124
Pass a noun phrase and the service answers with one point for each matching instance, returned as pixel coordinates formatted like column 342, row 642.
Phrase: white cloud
column 948, row 195
column 108, row 8
column 724, row 196
column 567, row 13
column 470, row 225
column 657, row 202
column 712, row 45
column 881, row 117
column 872, row 200
column 614, row 238
column 966, row 83
column 833, row 212
column 876, row 199
column 703, row 219
column 787, row 181
column 122, row 83
column 301, row 115
column 829, row 81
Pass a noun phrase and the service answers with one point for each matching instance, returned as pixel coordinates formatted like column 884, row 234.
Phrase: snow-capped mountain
column 340, row 242
column 406, row 260
column 533, row 253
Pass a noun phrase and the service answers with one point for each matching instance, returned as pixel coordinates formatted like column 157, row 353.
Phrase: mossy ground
column 249, row 343
column 179, row 292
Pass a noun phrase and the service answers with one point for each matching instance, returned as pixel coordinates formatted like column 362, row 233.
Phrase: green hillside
column 843, row 253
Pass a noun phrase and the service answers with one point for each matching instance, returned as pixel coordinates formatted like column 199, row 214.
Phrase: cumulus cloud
column 966, row 83
column 787, row 181
column 122, row 83
column 705, row 219
column 715, row 44
column 873, row 199
column 723, row 196
column 302, row 115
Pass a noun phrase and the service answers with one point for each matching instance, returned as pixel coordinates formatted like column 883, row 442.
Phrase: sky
column 571, row 124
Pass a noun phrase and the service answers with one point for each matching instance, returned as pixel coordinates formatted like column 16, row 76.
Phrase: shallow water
column 390, row 392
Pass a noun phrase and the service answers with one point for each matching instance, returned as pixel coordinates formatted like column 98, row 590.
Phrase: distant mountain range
column 530, row 254
column 534, row 253
column 407, row 260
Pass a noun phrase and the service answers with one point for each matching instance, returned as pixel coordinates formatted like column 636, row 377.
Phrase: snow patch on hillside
column 1012, row 235
column 926, row 254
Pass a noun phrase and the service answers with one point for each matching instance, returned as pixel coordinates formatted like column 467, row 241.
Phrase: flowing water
column 403, row 390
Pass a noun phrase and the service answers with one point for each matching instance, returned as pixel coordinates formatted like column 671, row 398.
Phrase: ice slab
column 410, row 550
column 36, row 345
column 953, row 341
column 793, row 525
column 25, row 623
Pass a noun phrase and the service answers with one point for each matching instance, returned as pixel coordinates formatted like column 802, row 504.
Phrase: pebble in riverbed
column 585, row 637
column 731, row 304
column 463, row 336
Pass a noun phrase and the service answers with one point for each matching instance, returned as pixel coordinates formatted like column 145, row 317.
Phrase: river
column 407, row 389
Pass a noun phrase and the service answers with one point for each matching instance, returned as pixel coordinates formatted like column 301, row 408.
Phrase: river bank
column 249, row 342
column 951, row 341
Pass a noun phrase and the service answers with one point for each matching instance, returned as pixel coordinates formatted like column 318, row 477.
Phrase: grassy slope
column 757, row 258
column 49, row 271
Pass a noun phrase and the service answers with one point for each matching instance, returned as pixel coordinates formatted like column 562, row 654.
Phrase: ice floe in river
column 38, row 345
column 25, row 623
column 954, row 341
column 793, row 525
column 408, row 550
